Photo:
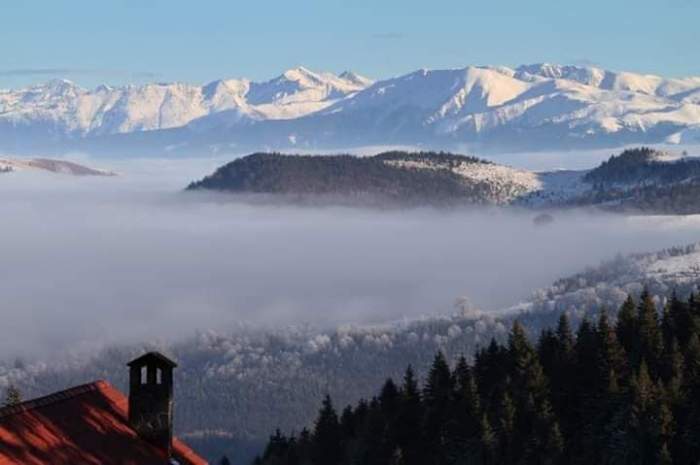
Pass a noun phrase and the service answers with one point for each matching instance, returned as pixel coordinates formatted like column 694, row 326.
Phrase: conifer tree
column 439, row 383
column 627, row 327
column 506, row 416
column 610, row 352
column 327, row 435
column 648, row 333
column 487, row 442
column 13, row 396
column 409, row 423
column 437, row 396
column 502, row 409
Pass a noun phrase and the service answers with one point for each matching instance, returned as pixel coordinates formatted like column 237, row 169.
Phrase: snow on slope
column 505, row 183
column 606, row 286
column 568, row 101
column 53, row 166
column 528, row 107
column 106, row 110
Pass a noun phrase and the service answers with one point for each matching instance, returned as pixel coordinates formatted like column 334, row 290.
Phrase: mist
column 92, row 261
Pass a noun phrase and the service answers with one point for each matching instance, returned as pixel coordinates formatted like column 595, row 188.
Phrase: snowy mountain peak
column 531, row 107
column 300, row 73
column 356, row 79
column 582, row 74
column 59, row 88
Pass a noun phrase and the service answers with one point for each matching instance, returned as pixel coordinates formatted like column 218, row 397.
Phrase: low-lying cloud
column 92, row 261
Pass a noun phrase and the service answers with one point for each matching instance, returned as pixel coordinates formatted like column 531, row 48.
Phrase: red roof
column 86, row 425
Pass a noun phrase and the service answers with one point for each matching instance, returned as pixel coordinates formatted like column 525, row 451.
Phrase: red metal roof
column 86, row 425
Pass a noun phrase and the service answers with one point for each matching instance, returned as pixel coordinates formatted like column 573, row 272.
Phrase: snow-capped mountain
column 76, row 112
column 486, row 107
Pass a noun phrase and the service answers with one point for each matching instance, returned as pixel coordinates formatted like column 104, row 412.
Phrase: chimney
column 151, row 399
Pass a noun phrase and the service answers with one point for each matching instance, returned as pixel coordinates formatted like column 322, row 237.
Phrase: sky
column 121, row 41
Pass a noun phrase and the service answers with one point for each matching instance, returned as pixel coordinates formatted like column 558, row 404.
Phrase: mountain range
column 489, row 108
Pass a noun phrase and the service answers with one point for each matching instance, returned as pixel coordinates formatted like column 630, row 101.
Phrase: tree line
column 622, row 392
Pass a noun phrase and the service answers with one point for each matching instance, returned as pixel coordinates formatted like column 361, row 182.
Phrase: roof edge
column 60, row 396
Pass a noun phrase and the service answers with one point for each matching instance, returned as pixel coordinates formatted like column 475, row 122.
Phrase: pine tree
column 439, row 383
column 565, row 336
column 626, row 328
column 437, row 395
column 665, row 456
column 649, row 335
column 690, row 434
column 554, row 444
column 506, row 430
column 642, row 444
column 327, row 435
column 409, row 423
column 13, row 396
column 673, row 366
column 348, row 425
column 610, row 352
column 389, row 398
column 664, row 430
column 500, row 410
column 487, row 442
column 527, row 374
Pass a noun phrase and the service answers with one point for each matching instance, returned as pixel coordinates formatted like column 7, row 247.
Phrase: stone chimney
column 151, row 399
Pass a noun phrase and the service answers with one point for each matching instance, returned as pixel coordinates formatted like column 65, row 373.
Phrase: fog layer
column 101, row 260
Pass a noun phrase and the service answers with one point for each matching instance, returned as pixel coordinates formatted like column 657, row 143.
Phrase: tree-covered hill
column 608, row 393
column 643, row 166
column 637, row 180
column 390, row 177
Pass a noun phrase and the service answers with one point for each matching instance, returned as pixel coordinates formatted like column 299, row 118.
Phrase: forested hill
column 639, row 180
column 411, row 178
column 643, row 166
column 627, row 393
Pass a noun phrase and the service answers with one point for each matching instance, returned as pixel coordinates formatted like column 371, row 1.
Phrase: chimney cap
column 152, row 357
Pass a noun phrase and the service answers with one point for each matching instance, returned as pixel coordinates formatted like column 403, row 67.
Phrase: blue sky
column 119, row 41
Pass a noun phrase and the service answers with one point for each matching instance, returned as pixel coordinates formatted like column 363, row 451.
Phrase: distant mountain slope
column 49, row 165
column 531, row 107
column 638, row 179
column 65, row 109
column 406, row 178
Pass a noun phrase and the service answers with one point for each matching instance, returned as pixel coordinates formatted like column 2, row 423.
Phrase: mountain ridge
column 530, row 107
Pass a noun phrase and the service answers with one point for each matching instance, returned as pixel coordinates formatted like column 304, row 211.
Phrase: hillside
column 639, row 180
column 623, row 392
column 235, row 387
column 50, row 165
column 393, row 177
column 489, row 108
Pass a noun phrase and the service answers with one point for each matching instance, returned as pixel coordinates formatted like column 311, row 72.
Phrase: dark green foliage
column 12, row 395
column 634, row 165
column 637, row 180
column 611, row 394
column 387, row 177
